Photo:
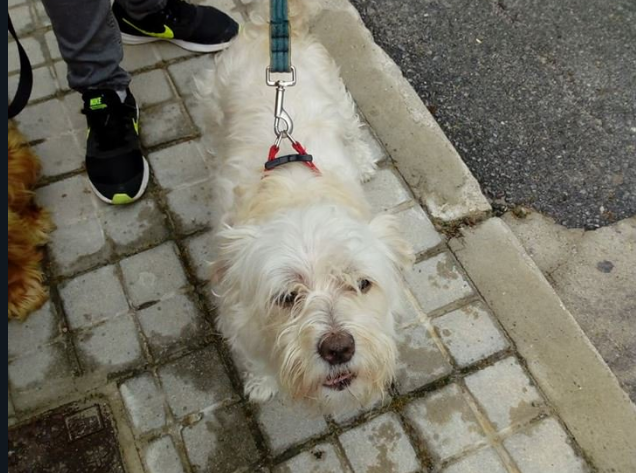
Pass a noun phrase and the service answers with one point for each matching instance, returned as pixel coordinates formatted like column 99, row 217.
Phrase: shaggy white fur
column 299, row 256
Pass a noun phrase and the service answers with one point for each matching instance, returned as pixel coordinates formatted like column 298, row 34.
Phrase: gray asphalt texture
column 538, row 96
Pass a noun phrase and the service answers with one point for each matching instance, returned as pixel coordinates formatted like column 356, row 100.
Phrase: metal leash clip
column 283, row 123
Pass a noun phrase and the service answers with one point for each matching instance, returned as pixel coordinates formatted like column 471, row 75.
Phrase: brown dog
column 28, row 227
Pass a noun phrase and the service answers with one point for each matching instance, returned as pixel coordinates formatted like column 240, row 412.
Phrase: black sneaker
column 193, row 27
column 116, row 169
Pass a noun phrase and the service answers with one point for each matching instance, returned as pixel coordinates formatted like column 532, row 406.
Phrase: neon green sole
column 122, row 199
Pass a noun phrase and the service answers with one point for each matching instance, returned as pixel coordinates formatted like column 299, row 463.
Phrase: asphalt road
column 538, row 96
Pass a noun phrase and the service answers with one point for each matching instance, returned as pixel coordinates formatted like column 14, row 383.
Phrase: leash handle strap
column 279, row 42
column 25, row 84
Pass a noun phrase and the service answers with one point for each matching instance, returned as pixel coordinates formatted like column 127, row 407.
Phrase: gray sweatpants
column 90, row 41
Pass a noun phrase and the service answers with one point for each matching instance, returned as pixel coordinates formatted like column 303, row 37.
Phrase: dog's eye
column 287, row 300
column 364, row 285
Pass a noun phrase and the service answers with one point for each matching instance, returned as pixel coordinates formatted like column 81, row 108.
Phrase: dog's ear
column 387, row 229
column 229, row 244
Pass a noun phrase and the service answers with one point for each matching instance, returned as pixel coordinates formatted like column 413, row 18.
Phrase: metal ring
column 274, row 83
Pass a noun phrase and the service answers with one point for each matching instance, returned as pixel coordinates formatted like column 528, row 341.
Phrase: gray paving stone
column 199, row 113
column 183, row 73
column 347, row 416
column 201, row 253
column 140, row 56
column 436, row 282
column 43, row 120
column 22, row 21
column 44, row 84
column 285, row 423
column 10, row 408
column 33, row 48
column 321, row 458
column 206, row 290
column 420, row 361
column 15, row 3
column 190, row 207
column 154, row 274
column 178, row 165
column 78, row 246
column 150, row 88
column 61, row 154
column 69, row 200
column 470, row 334
column 418, row 229
column 51, row 44
column 544, row 448
column 40, row 328
column 61, row 72
column 13, row 57
column 379, row 153
column 36, row 367
column 79, row 296
column 506, row 394
column 221, row 442
column 39, row 376
column 171, row 324
column 380, row 445
column 386, row 191
column 408, row 314
column 110, row 347
column 195, row 382
column 168, row 51
column 445, row 423
column 144, row 402
column 134, row 227
column 78, row 241
column 485, row 460
column 164, row 123
column 43, row 18
column 73, row 105
column 161, row 457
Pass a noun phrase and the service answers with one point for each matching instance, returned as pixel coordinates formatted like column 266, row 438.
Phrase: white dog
column 308, row 280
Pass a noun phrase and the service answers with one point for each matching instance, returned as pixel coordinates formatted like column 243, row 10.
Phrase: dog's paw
column 365, row 162
column 260, row 388
column 367, row 173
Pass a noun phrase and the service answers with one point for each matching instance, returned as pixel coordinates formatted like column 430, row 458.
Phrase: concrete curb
column 559, row 355
column 423, row 154
column 567, row 367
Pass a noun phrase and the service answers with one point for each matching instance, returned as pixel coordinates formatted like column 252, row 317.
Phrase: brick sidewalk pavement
column 130, row 323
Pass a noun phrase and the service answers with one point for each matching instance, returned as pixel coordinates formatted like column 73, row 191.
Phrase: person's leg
column 90, row 43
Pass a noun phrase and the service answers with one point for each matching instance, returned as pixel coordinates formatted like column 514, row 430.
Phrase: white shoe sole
column 194, row 47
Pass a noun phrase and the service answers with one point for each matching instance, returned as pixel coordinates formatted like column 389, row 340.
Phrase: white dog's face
column 315, row 291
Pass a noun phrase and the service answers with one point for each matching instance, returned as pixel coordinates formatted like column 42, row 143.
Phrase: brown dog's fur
column 28, row 227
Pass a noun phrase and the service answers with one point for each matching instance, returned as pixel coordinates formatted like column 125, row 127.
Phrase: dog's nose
column 337, row 348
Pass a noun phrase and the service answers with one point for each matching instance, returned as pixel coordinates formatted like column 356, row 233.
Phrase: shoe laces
column 110, row 127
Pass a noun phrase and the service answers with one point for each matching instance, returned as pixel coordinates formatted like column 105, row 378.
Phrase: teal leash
column 279, row 43
column 280, row 63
